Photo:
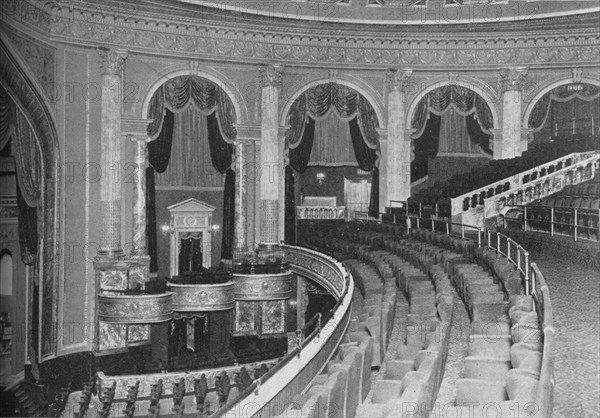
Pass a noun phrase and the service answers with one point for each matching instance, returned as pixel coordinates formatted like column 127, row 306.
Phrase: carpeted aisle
column 575, row 293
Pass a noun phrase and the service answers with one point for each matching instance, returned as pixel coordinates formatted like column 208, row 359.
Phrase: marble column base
column 112, row 275
column 139, row 271
column 270, row 252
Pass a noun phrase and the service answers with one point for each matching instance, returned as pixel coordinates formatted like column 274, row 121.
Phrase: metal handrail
column 561, row 210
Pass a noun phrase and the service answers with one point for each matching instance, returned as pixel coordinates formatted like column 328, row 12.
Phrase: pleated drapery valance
column 460, row 99
column 562, row 94
column 319, row 101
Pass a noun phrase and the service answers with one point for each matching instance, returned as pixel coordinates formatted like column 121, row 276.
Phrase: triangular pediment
column 191, row 205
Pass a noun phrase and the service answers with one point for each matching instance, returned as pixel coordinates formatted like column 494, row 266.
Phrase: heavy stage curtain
column 175, row 97
column 316, row 104
column 450, row 119
column 15, row 128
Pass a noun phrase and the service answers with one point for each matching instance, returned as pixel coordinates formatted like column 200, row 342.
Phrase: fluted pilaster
column 111, row 63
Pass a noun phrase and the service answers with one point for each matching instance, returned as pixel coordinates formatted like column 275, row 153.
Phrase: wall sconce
column 321, row 178
column 215, row 228
column 166, row 229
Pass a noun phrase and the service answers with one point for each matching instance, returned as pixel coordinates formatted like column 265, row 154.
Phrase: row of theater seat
column 585, row 197
column 496, row 170
column 501, row 369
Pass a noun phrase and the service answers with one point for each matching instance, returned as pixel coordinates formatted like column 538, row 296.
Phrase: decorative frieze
column 202, row 297
column 253, row 287
column 135, row 309
column 329, row 46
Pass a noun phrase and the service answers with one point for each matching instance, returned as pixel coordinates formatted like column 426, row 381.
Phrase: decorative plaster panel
column 263, row 286
column 139, row 309
column 202, row 297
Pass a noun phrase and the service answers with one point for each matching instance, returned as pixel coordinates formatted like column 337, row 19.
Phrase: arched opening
column 333, row 149
column 37, row 200
column 190, row 155
column 567, row 117
column 452, row 134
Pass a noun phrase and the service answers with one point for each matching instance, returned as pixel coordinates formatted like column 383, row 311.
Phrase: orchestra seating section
column 403, row 308
column 425, row 201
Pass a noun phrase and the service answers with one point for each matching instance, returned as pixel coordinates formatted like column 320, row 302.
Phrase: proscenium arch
column 18, row 81
column 548, row 88
column 471, row 86
column 227, row 87
column 345, row 82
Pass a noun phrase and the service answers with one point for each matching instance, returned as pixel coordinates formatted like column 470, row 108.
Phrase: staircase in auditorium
column 480, row 196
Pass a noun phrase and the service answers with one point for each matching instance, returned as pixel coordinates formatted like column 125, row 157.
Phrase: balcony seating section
column 585, row 197
column 503, row 361
column 441, row 192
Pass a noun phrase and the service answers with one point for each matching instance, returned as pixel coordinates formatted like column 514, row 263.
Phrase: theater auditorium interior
column 300, row 208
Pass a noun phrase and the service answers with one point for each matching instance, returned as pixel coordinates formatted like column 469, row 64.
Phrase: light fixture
column 321, row 178
column 166, row 229
column 575, row 87
column 215, row 228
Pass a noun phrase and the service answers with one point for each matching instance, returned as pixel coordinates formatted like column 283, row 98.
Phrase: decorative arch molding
column 484, row 90
column 228, row 86
column 551, row 85
column 360, row 86
column 23, row 90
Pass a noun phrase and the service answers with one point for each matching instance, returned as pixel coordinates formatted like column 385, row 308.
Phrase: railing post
column 525, row 219
column 462, row 231
column 527, row 278
column 508, row 250
column 436, row 211
column 518, row 259
column 432, row 225
column 575, row 224
column 447, row 228
column 420, row 209
column 552, row 221
column 418, row 222
column 489, row 239
column 498, row 242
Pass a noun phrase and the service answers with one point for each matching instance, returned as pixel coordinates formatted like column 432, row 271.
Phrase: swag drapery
column 316, row 104
column 557, row 109
column 440, row 110
column 175, row 96
column 15, row 128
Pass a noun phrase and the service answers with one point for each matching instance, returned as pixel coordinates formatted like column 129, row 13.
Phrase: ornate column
column 271, row 158
column 111, row 63
column 397, row 168
column 140, row 260
column 511, row 81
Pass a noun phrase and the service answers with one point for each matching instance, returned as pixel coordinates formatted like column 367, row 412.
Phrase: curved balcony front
column 135, row 309
column 254, row 287
column 202, row 297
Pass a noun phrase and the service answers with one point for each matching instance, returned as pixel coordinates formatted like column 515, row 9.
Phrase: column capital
column 512, row 78
column 112, row 60
column 270, row 75
column 408, row 134
column 397, row 79
column 134, row 127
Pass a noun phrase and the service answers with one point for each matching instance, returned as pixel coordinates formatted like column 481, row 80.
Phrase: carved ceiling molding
column 255, row 43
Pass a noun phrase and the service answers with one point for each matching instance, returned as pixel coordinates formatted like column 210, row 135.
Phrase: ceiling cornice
column 560, row 41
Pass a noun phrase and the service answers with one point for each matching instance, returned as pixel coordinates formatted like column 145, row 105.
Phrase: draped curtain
column 16, row 130
column 332, row 144
column 450, row 119
column 554, row 113
column 175, row 97
column 349, row 106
